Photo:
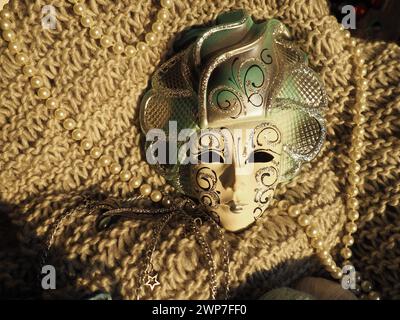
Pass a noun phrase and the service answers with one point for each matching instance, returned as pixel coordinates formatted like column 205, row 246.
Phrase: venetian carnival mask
column 239, row 110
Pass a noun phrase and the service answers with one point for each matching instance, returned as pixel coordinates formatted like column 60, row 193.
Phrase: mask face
column 254, row 110
column 238, row 171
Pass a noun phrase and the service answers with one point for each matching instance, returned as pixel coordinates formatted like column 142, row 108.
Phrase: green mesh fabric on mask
column 171, row 98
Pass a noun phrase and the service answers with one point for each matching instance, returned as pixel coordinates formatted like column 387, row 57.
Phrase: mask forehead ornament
column 233, row 78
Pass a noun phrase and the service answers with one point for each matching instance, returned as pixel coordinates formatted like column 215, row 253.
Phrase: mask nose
column 239, row 195
column 230, row 179
column 235, row 187
column 227, row 178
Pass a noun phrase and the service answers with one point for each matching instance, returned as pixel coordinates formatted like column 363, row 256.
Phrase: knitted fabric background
column 43, row 171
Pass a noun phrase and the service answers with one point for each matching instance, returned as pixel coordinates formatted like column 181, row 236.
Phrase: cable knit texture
column 43, row 171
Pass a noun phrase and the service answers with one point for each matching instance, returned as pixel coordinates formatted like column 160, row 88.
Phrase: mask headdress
column 239, row 70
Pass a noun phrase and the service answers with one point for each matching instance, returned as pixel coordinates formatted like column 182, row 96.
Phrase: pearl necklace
column 354, row 183
column 107, row 42
column 60, row 114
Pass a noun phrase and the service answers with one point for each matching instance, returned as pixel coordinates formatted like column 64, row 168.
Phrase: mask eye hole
column 210, row 157
column 260, row 156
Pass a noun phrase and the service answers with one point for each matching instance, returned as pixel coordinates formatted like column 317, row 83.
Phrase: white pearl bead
column 156, row 196
column 317, row 243
column 366, row 286
column 130, row 51
column 364, row 83
column 312, row 231
column 115, row 168
column 157, row 27
column 353, row 192
column 21, row 59
column 28, row 71
column 14, row 47
column 294, row 211
column 86, row 144
column 333, row 267
column 87, row 21
column 163, row 15
column 8, row 35
column 337, row 274
column 43, row 93
column 51, row 103
column 357, row 156
column 353, row 215
column 166, row 3
column 95, row 32
column 327, row 261
column 364, row 95
column 79, row 9
column 323, row 254
column 304, row 220
column 348, row 240
column 359, row 131
column 141, row 46
column 105, row 160
column 5, row 14
column 351, row 227
column 151, row 38
column 357, row 167
column 145, row 189
column 77, row 134
column 60, row 114
column 354, row 178
column 125, row 175
column 360, row 119
column 345, row 253
column 106, row 41
column 95, row 152
column 118, row 48
column 136, row 182
column 69, row 124
column 362, row 106
column 5, row 24
column 36, row 82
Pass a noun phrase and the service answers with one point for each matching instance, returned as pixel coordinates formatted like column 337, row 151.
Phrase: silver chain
column 148, row 265
column 207, row 252
column 225, row 254
column 114, row 207
column 53, row 231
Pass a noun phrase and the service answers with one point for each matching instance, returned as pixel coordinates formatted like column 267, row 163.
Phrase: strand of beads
column 313, row 233
column 21, row 59
column 356, row 151
column 38, row 82
column 107, row 41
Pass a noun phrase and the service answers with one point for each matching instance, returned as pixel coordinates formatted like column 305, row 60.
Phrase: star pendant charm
column 152, row 281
